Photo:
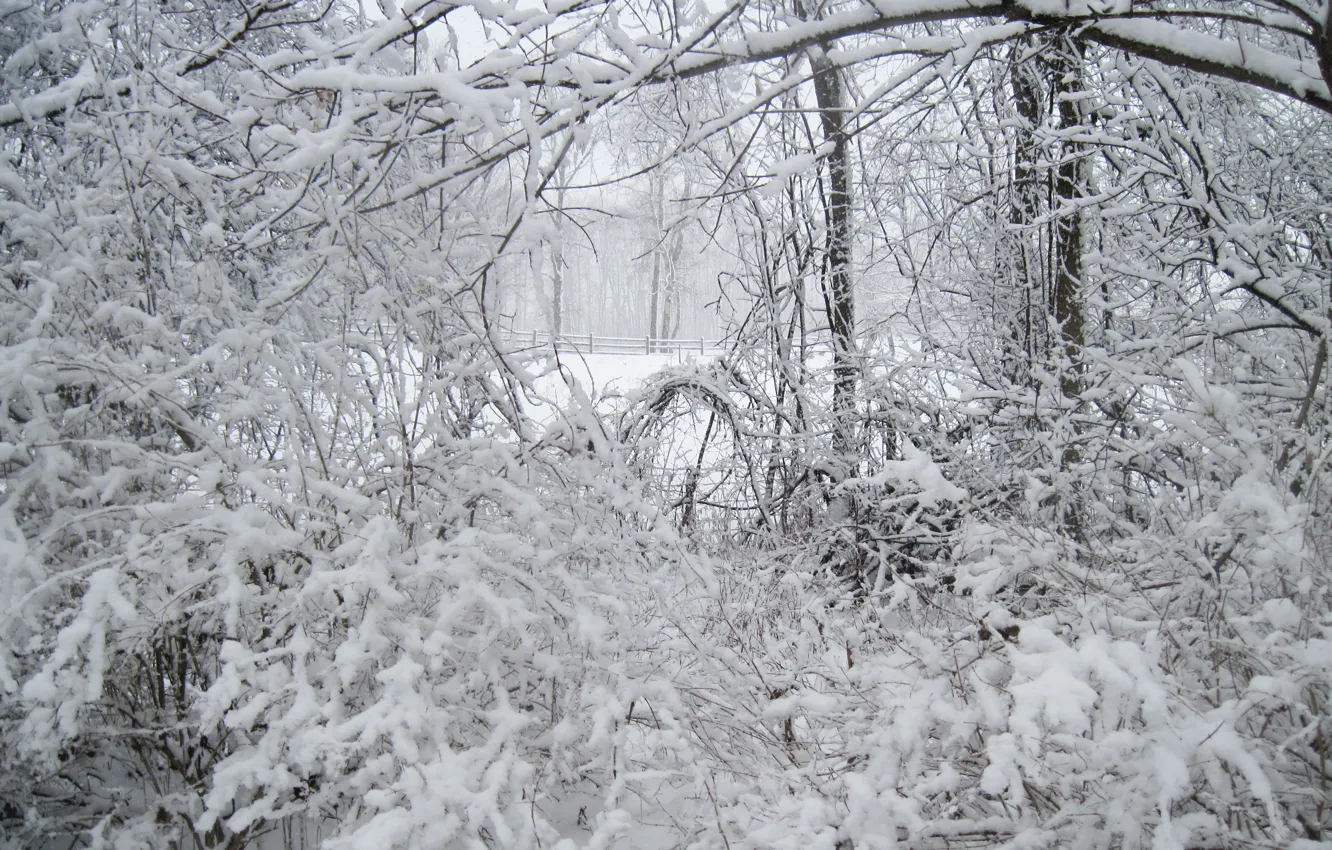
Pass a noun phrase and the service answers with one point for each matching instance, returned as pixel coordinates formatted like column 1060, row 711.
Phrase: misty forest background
column 996, row 513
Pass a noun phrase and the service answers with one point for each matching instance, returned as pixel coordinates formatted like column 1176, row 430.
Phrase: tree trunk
column 1023, row 211
column 671, row 313
column 557, row 277
column 1069, row 314
column 839, row 294
column 557, row 292
column 1069, row 185
column 654, row 293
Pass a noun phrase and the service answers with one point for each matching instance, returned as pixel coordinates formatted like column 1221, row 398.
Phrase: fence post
column 700, row 347
column 591, row 344
column 534, row 337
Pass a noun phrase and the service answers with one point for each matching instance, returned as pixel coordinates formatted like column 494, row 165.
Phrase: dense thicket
column 298, row 550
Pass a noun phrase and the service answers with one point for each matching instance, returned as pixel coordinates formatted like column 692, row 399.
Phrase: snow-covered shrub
column 281, row 553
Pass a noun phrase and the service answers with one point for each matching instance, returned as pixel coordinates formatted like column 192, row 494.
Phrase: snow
column 286, row 550
column 600, row 375
column 1295, row 77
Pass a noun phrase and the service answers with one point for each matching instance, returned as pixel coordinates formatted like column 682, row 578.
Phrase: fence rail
column 595, row 344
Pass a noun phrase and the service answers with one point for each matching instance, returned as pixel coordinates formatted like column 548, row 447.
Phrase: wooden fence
column 596, row 344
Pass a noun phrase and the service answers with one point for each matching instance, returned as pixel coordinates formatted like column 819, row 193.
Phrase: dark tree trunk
column 1069, row 189
column 839, row 294
column 1023, row 212
column 1068, row 309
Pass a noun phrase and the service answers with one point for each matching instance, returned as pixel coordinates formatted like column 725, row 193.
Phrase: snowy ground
column 601, row 377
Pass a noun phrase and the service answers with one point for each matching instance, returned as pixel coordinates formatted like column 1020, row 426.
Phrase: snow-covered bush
column 282, row 553
column 289, row 560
